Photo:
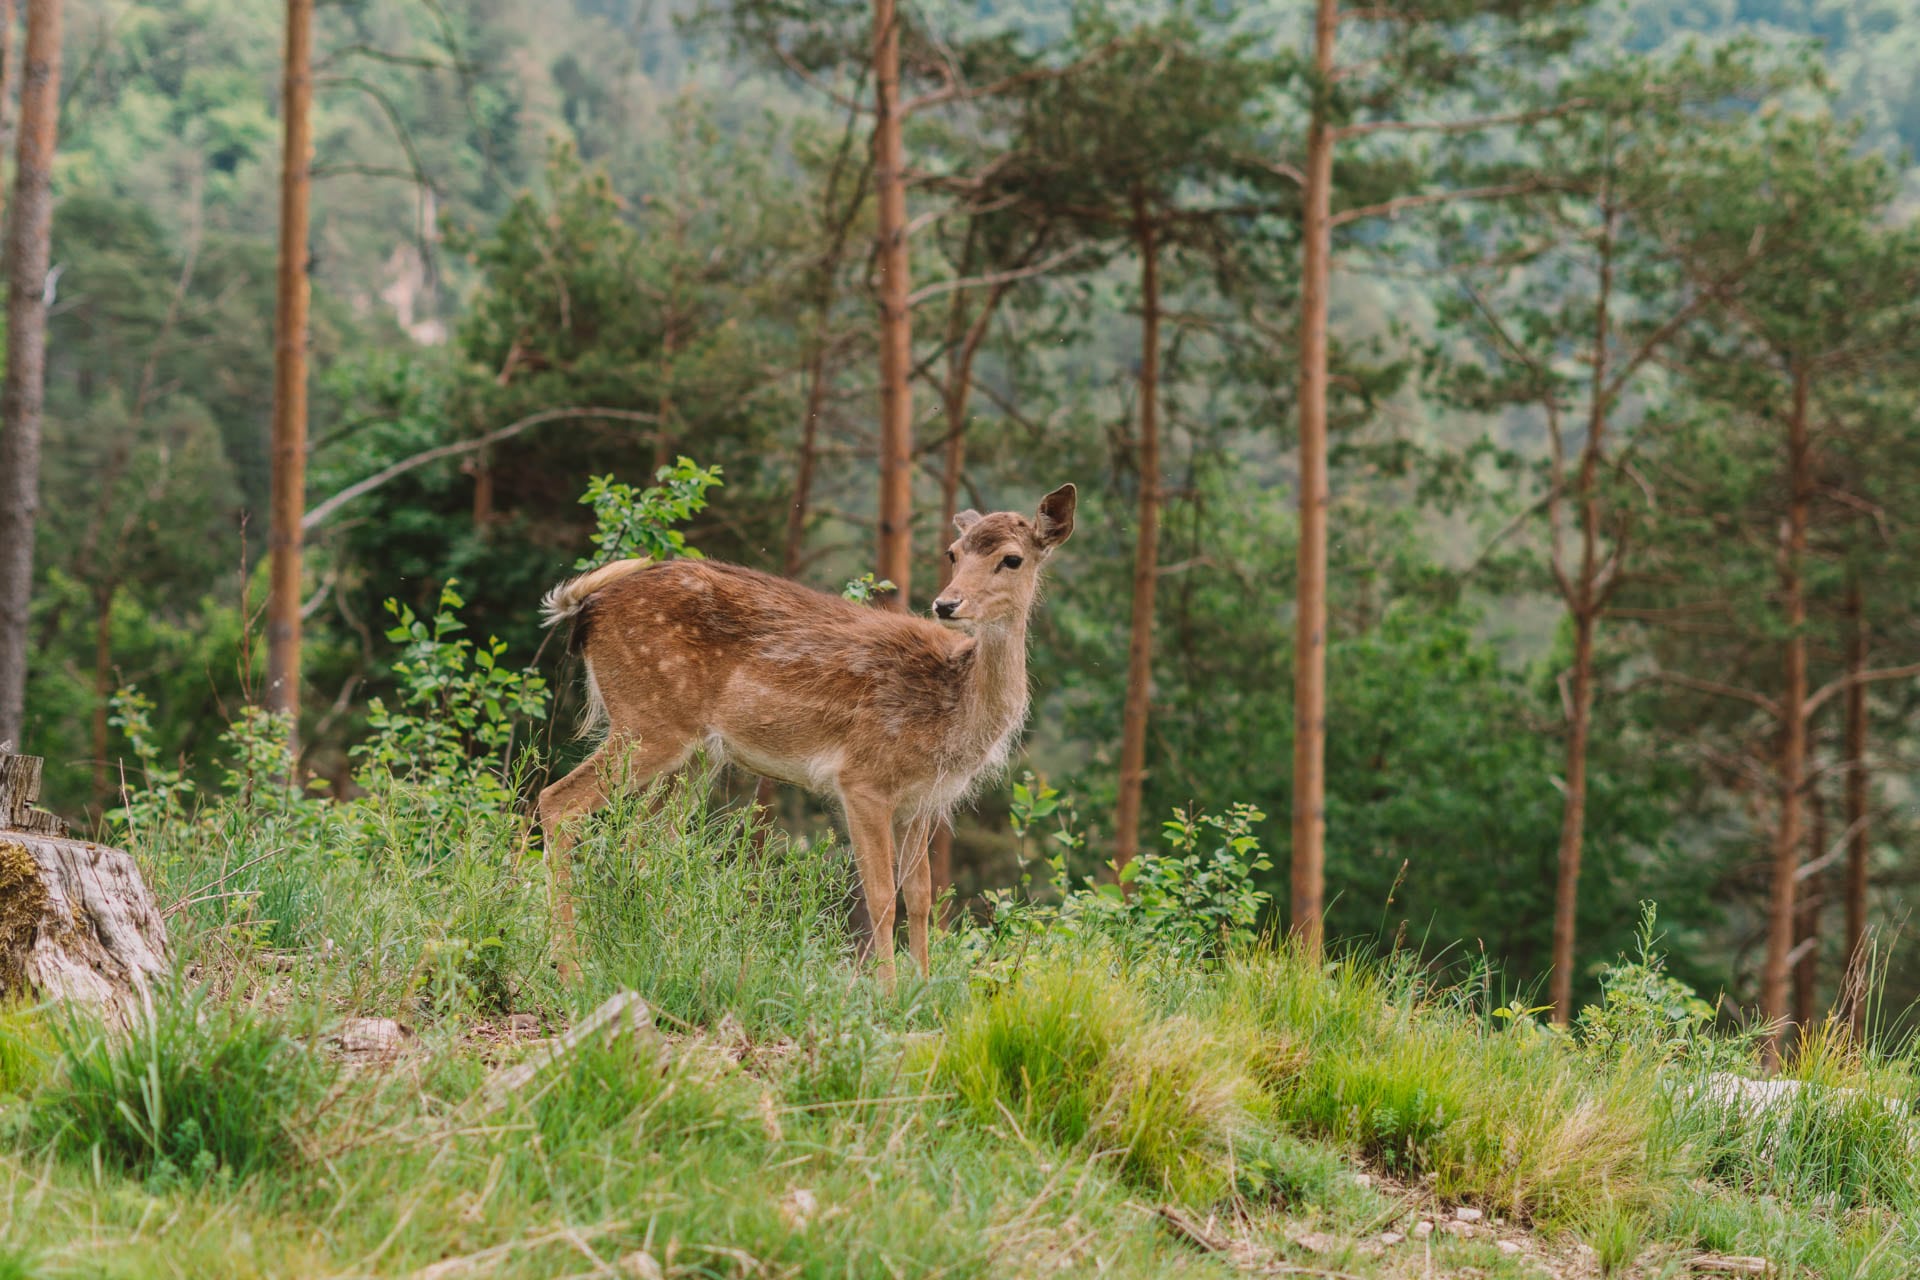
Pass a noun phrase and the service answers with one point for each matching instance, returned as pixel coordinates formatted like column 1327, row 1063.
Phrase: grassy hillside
column 1090, row 1085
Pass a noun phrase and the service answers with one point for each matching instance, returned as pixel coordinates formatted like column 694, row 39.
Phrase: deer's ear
column 966, row 520
column 1055, row 522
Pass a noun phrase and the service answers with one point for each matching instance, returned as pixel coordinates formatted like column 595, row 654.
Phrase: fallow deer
column 895, row 717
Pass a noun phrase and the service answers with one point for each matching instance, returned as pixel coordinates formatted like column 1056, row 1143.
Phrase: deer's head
column 996, row 561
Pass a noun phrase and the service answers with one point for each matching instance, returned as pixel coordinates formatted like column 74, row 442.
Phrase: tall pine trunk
column 896, row 339
column 1806, row 926
column 1584, row 603
column 27, row 249
column 1858, row 781
column 1146, row 550
column 289, row 491
column 1310, row 613
column 962, row 343
column 102, row 695
column 1793, row 723
column 1573, row 817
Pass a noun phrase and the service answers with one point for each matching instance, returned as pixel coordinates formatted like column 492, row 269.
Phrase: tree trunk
column 27, row 248
column 1806, row 925
column 1573, row 818
column 290, row 372
column 482, row 491
column 954, row 407
column 76, row 921
column 1584, row 603
column 963, row 344
column 1793, row 727
column 1310, row 612
column 1858, row 782
column 1146, row 552
column 102, row 697
column 896, row 338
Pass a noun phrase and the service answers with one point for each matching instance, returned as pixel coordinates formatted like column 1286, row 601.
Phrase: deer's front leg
column 870, row 823
column 916, row 887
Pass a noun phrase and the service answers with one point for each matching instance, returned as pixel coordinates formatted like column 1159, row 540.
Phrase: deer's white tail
column 566, row 599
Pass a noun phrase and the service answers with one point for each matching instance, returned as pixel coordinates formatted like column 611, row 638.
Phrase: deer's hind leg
column 622, row 762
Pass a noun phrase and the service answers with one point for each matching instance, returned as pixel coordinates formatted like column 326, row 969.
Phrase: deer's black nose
column 945, row 608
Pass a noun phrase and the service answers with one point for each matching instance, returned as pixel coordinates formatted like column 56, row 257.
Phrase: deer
column 894, row 717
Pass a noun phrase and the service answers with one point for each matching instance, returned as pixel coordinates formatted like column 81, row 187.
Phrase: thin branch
column 954, row 91
column 1808, row 870
column 1760, row 700
column 1827, row 691
column 1459, row 126
column 1520, row 517
column 1390, row 207
column 997, row 278
column 319, row 513
column 794, row 65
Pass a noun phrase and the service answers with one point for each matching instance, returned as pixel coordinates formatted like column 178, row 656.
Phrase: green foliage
column 26, row 1045
column 630, row 523
column 863, row 589
column 1196, row 900
column 1644, row 1011
column 1201, row 893
column 161, row 795
column 193, row 1090
column 715, row 914
column 458, row 711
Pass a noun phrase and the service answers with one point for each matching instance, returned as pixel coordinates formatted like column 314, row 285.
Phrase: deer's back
column 794, row 682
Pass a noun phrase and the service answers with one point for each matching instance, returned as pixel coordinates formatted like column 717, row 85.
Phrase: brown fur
column 896, row 717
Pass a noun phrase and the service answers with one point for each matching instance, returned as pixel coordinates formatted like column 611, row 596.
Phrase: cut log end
column 76, row 922
column 76, row 919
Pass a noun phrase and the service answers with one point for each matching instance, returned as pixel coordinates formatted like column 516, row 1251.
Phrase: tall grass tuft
column 1068, row 1054
column 1424, row 1083
column 1837, row 1131
column 192, row 1089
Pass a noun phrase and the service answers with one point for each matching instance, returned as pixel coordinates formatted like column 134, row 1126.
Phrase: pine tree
column 27, row 251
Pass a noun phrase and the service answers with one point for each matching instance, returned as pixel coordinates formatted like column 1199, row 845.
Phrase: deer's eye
column 952, row 558
column 1010, row 562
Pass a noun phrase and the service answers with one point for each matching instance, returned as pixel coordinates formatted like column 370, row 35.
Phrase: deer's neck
column 997, row 702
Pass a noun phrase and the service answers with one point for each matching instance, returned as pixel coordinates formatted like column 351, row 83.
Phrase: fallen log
column 76, row 920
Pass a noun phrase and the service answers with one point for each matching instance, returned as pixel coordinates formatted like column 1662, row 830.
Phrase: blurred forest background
column 1621, row 404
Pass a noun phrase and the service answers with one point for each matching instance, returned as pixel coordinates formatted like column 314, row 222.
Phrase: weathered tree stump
column 76, row 920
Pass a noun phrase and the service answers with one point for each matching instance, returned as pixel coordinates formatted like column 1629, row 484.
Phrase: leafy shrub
column 1195, row 900
column 633, row 523
column 1643, row 1010
column 457, row 713
column 191, row 1090
column 1201, row 894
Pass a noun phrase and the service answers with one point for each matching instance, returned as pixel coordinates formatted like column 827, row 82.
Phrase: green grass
column 26, row 1046
column 190, row 1088
column 1024, row 1112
